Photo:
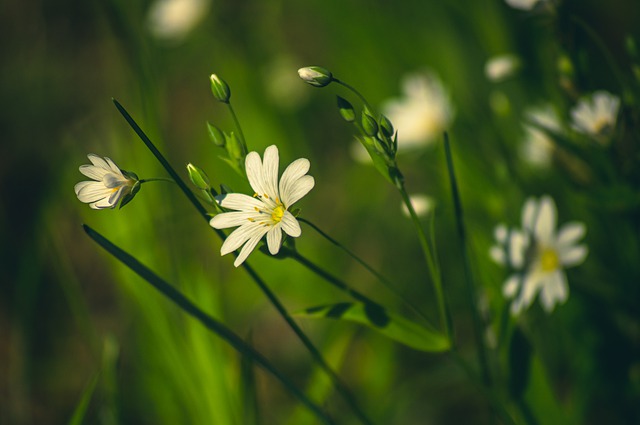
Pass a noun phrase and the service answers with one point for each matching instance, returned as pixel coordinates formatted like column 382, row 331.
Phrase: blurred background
column 71, row 317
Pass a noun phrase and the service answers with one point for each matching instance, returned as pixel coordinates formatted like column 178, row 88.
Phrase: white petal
column 554, row 291
column 93, row 172
column 274, row 239
column 290, row 225
column 498, row 255
column 270, row 170
column 545, row 220
column 570, row 233
column 116, row 195
column 501, row 233
column 249, row 246
column 233, row 219
column 292, row 173
column 102, row 204
column 112, row 181
column 530, row 286
column 78, row 186
column 253, row 166
column 113, row 166
column 297, row 190
column 93, row 191
column 529, row 213
column 98, row 162
column 242, row 234
column 511, row 285
column 518, row 245
column 239, row 201
column 572, row 256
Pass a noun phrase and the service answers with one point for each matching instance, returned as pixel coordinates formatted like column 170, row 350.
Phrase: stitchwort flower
column 538, row 255
column 111, row 186
column 596, row 115
column 267, row 211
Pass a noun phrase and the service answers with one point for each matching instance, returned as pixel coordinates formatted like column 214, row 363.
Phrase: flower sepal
column 134, row 190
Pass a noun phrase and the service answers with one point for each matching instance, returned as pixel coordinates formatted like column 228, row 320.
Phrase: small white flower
column 423, row 114
column 110, row 185
column 266, row 213
column 523, row 4
column 538, row 146
column 596, row 115
column 538, row 255
column 174, row 19
column 499, row 68
column 422, row 204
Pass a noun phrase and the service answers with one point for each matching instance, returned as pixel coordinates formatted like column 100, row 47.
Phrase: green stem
column 469, row 280
column 315, row 354
column 157, row 179
column 356, row 92
column 370, row 269
column 236, row 122
column 434, row 270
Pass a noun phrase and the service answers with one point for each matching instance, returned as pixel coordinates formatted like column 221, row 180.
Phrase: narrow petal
column 270, row 165
column 501, row 232
column 545, row 221
column 554, row 291
column 79, row 186
column 93, row 192
column 93, row 172
column 518, row 245
column 112, row 181
column 511, row 285
column 239, row 236
column 253, row 166
column 240, row 202
column 293, row 172
column 233, row 219
column 116, row 195
column 570, row 233
column 290, row 225
column 249, row 246
column 297, row 190
column 498, row 255
column 530, row 286
column 572, row 256
column 274, row 239
column 98, row 162
column 113, row 166
column 102, row 204
column 529, row 213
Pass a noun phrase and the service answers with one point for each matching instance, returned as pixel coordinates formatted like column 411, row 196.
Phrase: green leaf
column 392, row 326
column 81, row 408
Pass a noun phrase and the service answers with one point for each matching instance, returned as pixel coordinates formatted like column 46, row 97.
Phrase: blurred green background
column 68, row 311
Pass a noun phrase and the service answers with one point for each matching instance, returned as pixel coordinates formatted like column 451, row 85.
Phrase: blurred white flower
column 423, row 114
column 266, row 212
column 596, row 115
column 110, row 184
column 538, row 147
column 499, row 68
column 538, row 256
column 422, row 204
column 523, row 4
column 174, row 19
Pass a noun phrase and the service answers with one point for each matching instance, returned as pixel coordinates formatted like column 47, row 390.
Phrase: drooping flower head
column 538, row 255
column 110, row 185
column 267, row 211
column 596, row 115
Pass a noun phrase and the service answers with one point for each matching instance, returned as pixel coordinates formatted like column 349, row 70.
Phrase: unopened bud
column 369, row 124
column 386, row 128
column 346, row 110
column 198, row 177
column 315, row 76
column 220, row 89
column 216, row 135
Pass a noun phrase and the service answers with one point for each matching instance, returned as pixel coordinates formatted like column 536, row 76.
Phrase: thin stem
column 157, row 179
column 434, row 271
column 315, row 354
column 236, row 122
column 356, row 92
column 370, row 269
column 469, row 280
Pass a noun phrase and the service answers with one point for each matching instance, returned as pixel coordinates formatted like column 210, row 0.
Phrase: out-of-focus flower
column 596, row 115
column 499, row 68
column 422, row 114
column 422, row 204
column 538, row 255
column 172, row 20
column 538, row 147
column 110, row 185
column 524, row 4
column 267, row 211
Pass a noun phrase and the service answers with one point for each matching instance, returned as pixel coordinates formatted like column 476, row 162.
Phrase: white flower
column 110, row 185
column 523, row 4
column 499, row 68
column 174, row 19
column 538, row 146
column 422, row 204
column 538, row 255
column 596, row 115
column 423, row 114
column 266, row 213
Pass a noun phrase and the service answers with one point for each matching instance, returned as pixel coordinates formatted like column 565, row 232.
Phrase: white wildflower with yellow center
column 538, row 255
column 596, row 115
column 267, row 211
column 111, row 184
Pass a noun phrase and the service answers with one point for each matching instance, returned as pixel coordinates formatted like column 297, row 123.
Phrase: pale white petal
column 98, row 162
column 511, row 285
column 529, row 213
column 111, row 180
column 253, row 166
column 572, row 256
column 93, row 172
column 233, row 219
column 242, row 234
column 555, row 290
column 102, row 204
column 270, row 171
column 518, row 245
column 79, row 186
column 570, row 233
column 274, row 239
column 292, row 173
column 501, row 233
column 530, row 286
column 545, row 221
column 290, row 225
column 239, row 201
column 116, row 195
column 249, row 246
column 93, row 192
column 113, row 166
column 498, row 255
column 297, row 190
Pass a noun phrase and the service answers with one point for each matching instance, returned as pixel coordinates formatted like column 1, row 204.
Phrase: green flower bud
column 315, row 76
column 386, row 128
column 134, row 189
column 216, row 135
column 346, row 110
column 198, row 177
column 220, row 89
column 369, row 124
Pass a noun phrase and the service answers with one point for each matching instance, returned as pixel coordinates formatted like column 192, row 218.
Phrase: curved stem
column 238, row 128
column 370, row 269
column 157, row 179
column 356, row 92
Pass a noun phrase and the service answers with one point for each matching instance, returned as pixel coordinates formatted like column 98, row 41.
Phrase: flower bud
column 198, row 177
column 346, row 110
column 369, row 124
column 216, row 135
column 386, row 128
column 220, row 89
column 315, row 76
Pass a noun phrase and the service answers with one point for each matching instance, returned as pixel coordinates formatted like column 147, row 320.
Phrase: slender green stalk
column 209, row 322
column 157, row 179
column 434, row 270
column 315, row 353
column 236, row 122
column 370, row 269
column 356, row 92
column 469, row 280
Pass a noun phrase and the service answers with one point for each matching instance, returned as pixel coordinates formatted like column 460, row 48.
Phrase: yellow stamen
column 266, row 196
column 278, row 213
column 549, row 260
